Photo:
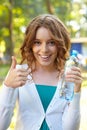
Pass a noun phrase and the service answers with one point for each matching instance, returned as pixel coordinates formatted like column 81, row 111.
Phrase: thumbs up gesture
column 16, row 77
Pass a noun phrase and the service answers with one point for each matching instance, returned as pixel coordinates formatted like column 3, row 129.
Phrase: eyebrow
column 47, row 40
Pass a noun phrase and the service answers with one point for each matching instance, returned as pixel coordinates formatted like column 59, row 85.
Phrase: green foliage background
column 16, row 14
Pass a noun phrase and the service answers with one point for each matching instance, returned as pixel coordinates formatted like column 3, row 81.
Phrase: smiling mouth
column 45, row 57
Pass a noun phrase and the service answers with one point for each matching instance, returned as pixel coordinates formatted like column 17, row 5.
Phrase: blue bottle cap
column 74, row 53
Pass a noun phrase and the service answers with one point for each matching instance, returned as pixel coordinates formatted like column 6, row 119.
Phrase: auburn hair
column 59, row 34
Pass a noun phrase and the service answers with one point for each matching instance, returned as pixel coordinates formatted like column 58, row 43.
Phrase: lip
column 45, row 57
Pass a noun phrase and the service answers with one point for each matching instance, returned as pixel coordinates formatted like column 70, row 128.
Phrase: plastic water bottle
column 67, row 88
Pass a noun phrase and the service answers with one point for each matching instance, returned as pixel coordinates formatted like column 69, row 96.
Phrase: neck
column 45, row 75
column 42, row 68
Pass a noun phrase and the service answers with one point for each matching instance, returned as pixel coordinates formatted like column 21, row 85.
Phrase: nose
column 44, row 47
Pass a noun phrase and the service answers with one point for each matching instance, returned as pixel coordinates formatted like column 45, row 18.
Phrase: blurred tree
column 6, row 26
column 10, row 28
column 49, row 6
column 15, row 15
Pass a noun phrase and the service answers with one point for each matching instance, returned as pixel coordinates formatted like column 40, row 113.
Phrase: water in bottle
column 67, row 88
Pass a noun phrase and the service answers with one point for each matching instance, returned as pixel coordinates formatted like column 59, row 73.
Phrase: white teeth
column 44, row 56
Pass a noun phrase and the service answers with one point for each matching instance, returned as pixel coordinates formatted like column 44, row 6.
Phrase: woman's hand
column 16, row 77
column 74, row 75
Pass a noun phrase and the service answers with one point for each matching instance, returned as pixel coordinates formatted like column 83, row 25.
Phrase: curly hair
column 59, row 34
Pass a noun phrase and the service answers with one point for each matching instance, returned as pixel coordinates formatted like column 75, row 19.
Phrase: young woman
column 36, row 83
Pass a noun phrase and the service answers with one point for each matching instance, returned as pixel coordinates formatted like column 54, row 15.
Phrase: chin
column 45, row 64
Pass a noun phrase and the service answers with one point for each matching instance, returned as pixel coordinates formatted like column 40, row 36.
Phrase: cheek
column 34, row 49
column 55, row 51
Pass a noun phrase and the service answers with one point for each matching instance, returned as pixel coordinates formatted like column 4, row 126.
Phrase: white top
column 60, row 115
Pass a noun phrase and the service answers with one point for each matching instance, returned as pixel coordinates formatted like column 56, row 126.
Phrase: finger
column 20, row 82
column 22, row 78
column 74, row 79
column 22, row 73
column 74, row 68
column 73, row 73
column 14, row 62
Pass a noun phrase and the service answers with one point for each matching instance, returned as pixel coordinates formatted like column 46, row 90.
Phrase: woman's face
column 44, row 48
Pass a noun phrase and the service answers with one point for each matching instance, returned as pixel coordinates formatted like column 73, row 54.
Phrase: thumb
column 14, row 62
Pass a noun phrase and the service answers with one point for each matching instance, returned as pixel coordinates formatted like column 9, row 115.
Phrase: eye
column 36, row 42
column 51, row 43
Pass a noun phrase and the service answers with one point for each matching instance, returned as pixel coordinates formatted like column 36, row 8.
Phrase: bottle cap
column 74, row 53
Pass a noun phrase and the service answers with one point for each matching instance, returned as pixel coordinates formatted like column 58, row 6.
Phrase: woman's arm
column 16, row 77
column 71, row 115
column 8, row 98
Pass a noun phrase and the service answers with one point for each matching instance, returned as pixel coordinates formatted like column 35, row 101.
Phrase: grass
column 3, row 71
column 83, row 125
